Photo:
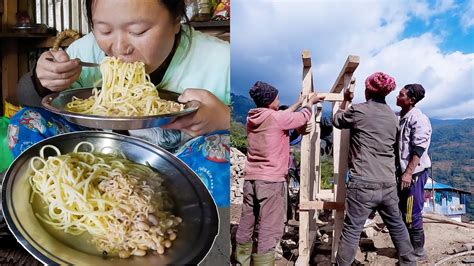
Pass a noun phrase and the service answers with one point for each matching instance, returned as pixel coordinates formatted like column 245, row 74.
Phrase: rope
column 469, row 252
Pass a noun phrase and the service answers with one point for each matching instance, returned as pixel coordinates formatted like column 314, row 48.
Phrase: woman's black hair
column 177, row 9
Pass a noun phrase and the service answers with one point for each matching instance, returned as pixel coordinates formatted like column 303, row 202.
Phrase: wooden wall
column 62, row 14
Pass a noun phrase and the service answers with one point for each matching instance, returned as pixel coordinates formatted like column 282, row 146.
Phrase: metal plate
column 193, row 203
column 56, row 103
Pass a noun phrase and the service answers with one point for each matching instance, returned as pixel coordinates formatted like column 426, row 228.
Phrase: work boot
column 243, row 253
column 417, row 239
column 267, row 259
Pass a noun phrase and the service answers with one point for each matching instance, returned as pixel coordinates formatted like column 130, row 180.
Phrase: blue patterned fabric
column 31, row 125
column 209, row 157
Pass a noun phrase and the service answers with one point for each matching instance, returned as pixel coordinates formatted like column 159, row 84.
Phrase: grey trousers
column 361, row 199
column 263, row 206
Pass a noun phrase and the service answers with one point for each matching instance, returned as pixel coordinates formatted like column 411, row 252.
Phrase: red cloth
column 268, row 142
column 380, row 83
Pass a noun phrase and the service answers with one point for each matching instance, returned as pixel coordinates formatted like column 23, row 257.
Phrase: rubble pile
column 237, row 167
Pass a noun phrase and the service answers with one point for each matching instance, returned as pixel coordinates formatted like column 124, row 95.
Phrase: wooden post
column 310, row 181
column 341, row 149
column 306, row 151
column 9, row 53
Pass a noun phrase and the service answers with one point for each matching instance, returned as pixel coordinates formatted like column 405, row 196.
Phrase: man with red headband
column 372, row 182
column 414, row 141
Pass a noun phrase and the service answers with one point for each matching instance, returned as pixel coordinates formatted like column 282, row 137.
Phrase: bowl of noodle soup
column 187, row 201
column 127, row 100
column 57, row 103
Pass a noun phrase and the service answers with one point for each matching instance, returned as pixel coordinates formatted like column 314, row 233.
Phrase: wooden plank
column 330, row 97
column 306, row 152
column 325, row 194
column 76, row 16
column 306, row 58
column 9, row 14
column 319, row 204
column 44, row 12
column 84, row 23
column 67, row 14
column 1, row 7
column 51, row 14
column 343, row 154
column 349, row 67
column 58, row 15
column 9, row 69
column 9, row 53
column 23, row 6
column 303, row 260
column 38, row 11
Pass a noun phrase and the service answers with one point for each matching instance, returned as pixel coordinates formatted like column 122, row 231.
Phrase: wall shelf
column 211, row 23
column 23, row 35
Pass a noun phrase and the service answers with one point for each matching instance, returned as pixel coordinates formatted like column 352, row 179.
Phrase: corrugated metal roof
column 437, row 185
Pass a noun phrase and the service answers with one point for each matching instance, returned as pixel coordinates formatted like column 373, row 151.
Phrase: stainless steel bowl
column 193, row 203
column 56, row 103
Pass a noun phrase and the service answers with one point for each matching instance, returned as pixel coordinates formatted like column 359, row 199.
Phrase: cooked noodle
column 120, row 203
column 126, row 91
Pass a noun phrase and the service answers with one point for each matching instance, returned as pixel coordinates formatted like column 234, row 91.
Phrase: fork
column 84, row 64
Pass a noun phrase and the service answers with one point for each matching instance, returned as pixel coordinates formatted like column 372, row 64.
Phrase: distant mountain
column 452, row 151
column 439, row 122
column 240, row 107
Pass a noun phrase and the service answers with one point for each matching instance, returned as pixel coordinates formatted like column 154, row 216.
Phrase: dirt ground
column 440, row 241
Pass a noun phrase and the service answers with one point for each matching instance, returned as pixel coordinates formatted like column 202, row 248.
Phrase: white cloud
column 424, row 9
column 268, row 38
column 447, row 78
column 467, row 18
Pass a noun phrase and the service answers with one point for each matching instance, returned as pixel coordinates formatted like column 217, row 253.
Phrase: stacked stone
column 237, row 167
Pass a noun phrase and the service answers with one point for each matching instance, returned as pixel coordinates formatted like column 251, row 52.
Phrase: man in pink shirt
column 266, row 168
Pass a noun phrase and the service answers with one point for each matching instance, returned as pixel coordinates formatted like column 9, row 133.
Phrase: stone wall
column 237, row 168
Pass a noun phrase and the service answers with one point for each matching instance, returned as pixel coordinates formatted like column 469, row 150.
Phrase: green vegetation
column 326, row 173
column 452, row 151
column 238, row 136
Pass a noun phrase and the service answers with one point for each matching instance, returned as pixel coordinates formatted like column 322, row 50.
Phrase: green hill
column 240, row 107
column 452, row 152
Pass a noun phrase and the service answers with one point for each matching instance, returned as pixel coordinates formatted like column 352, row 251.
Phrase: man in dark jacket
column 372, row 183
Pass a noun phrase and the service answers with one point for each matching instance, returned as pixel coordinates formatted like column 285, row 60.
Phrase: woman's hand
column 314, row 99
column 212, row 114
column 58, row 74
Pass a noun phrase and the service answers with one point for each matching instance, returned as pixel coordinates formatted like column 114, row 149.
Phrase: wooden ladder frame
column 311, row 195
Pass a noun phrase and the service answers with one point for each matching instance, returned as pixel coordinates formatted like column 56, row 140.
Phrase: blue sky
column 426, row 42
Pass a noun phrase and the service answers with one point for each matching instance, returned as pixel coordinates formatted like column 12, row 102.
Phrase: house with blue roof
column 447, row 200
